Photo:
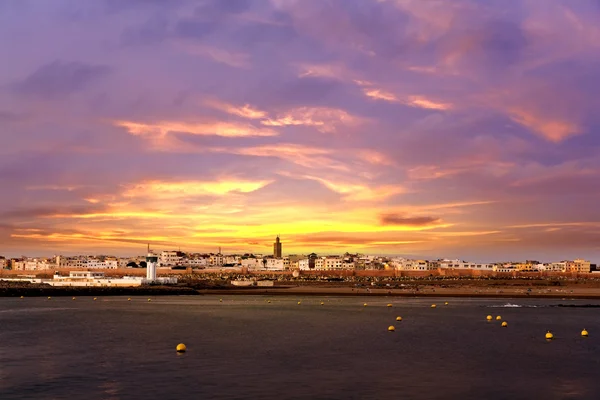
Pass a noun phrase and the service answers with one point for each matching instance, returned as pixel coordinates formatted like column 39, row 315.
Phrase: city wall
column 449, row 273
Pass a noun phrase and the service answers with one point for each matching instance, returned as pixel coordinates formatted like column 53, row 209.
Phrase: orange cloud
column 330, row 71
column 375, row 157
column 245, row 111
column 547, row 126
column 217, row 128
column 358, row 192
column 306, row 156
column 170, row 190
column 324, row 119
column 380, row 94
column 422, row 102
column 412, row 101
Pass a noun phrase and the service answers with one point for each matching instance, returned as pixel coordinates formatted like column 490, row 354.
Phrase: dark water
column 245, row 347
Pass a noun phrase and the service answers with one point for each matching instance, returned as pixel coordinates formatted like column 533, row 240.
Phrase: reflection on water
column 571, row 388
column 247, row 347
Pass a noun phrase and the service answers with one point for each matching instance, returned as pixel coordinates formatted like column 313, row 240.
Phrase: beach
column 199, row 285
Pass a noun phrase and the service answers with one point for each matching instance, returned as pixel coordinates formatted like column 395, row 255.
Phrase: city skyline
column 460, row 129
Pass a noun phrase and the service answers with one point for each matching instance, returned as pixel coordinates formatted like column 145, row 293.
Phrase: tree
column 132, row 264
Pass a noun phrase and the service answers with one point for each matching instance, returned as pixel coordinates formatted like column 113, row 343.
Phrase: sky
column 423, row 128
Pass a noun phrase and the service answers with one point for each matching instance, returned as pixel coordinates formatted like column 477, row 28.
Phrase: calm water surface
column 245, row 347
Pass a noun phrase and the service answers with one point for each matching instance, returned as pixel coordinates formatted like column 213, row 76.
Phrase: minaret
column 277, row 248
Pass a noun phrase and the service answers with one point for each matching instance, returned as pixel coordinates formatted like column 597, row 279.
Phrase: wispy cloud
column 546, row 126
column 188, row 189
column 324, row 119
column 422, row 102
column 222, row 56
column 244, row 111
column 379, row 94
column 216, row 128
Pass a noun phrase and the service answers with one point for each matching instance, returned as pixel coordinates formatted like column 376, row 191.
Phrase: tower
column 277, row 248
column 151, row 262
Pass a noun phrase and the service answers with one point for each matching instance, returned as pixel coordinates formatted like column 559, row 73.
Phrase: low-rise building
column 216, row 260
column 169, row 258
column 333, row 263
column 579, row 265
column 195, row 261
column 31, row 264
column 274, row 264
column 252, row 263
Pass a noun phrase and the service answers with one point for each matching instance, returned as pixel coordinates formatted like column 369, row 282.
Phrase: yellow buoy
column 299, row 302
column 584, row 332
column 549, row 335
column 95, row 298
column 181, row 348
column 489, row 317
column 129, row 299
column 433, row 306
column 446, row 303
column 322, row 303
column 49, row 297
column 364, row 305
column 220, row 300
column 391, row 328
column 498, row 318
column 21, row 296
column 389, row 305
column 73, row 298
column 504, row 324
column 398, row 318
column 268, row 301
column 149, row 299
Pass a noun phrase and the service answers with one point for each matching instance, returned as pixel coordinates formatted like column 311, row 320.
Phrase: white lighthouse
column 151, row 262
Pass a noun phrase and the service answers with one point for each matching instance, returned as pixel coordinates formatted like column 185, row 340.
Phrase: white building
column 275, row 264
column 169, row 258
column 556, row 266
column 504, row 268
column 195, row 262
column 414, row 265
column 303, row 264
column 252, row 263
column 333, row 263
column 320, row 263
column 32, row 264
column 217, row 260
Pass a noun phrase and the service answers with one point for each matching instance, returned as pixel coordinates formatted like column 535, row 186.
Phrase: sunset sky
column 460, row 128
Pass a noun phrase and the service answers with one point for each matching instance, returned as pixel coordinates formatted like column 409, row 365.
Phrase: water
column 246, row 348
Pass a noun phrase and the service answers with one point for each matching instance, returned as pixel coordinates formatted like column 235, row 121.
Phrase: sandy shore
column 565, row 292
column 516, row 288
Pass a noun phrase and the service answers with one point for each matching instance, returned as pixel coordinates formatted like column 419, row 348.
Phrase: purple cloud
column 58, row 79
